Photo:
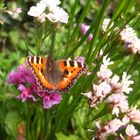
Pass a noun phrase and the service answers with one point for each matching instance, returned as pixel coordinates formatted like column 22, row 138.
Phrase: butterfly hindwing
column 37, row 65
column 71, row 71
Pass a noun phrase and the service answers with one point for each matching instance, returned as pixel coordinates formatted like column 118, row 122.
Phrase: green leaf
column 11, row 123
column 61, row 136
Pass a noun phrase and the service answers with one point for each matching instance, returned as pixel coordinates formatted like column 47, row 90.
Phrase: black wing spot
column 41, row 70
column 71, row 63
column 66, row 71
column 65, row 63
column 41, row 60
column 79, row 64
column 37, row 59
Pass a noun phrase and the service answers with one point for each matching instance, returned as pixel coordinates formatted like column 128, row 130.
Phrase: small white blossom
column 104, row 72
column 58, row 14
column 102, row 89
column 133, row 114
column 119, row 102
column 50, row 3
column 54, row 13
column 110, row 128
column 105, row 24
column 37, row 10
column 128, row 34
column 129, row 37
column 132, row 133
column 125, row 83
column 114, row 81
column 106, row 61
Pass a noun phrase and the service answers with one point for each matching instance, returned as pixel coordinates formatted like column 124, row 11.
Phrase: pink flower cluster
column 128, row 36
column 29, row 90
column 113, row 90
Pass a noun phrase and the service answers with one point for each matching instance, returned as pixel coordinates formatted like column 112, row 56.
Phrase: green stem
column 47, row 121
column 52, row 44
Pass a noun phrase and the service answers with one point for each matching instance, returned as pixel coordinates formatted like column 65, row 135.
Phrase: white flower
column 50, row 3
column 133, row 114
column 129, row 37
column 37, row 10
column 125, row 83
column 58, row 14
column 110, row 128
column 88, row 94
column 119, row 102
column 42, row 17
column 114, row 81
column 113, row 125
column 54, row 14
column 105, row 24
column 132, row 133
column 104, row 72
column 106, row 61
column 102, row 89
column 128, row 34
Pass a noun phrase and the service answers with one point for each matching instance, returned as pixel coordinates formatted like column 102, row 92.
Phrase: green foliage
column 23, row 35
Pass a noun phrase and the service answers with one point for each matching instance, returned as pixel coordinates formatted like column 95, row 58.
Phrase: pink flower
column 110, row 128
column 21, row 75
column 118, row 102
column 113, row 125
column 129, row 37
column 81, row 59
column 51, row 99
column 18, row 10
column 133, row 114
column 84, row 28
column 104, row 73
column 102, row 89
column 132, row 133
column 115, row 84
column 26, row 93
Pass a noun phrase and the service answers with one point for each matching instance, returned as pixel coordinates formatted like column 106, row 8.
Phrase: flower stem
column 52, row 44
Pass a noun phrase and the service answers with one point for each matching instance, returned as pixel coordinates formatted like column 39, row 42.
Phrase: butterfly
column 55, row 76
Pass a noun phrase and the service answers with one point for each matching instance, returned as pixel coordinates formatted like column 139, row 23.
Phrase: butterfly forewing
column 71, row 71
column 38, row 65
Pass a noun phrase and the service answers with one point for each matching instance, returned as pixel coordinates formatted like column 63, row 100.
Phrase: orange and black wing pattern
column 37, row 65
column 71, row 70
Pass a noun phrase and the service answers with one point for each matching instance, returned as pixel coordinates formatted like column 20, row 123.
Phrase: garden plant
column 69, row 70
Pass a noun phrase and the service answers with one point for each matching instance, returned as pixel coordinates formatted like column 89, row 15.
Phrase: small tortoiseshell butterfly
column 52, row 75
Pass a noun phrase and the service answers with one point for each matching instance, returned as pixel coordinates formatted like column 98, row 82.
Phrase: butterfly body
column 55, row 76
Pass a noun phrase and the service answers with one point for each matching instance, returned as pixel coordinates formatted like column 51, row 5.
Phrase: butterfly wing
column 37, row 65
column 71, row 70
